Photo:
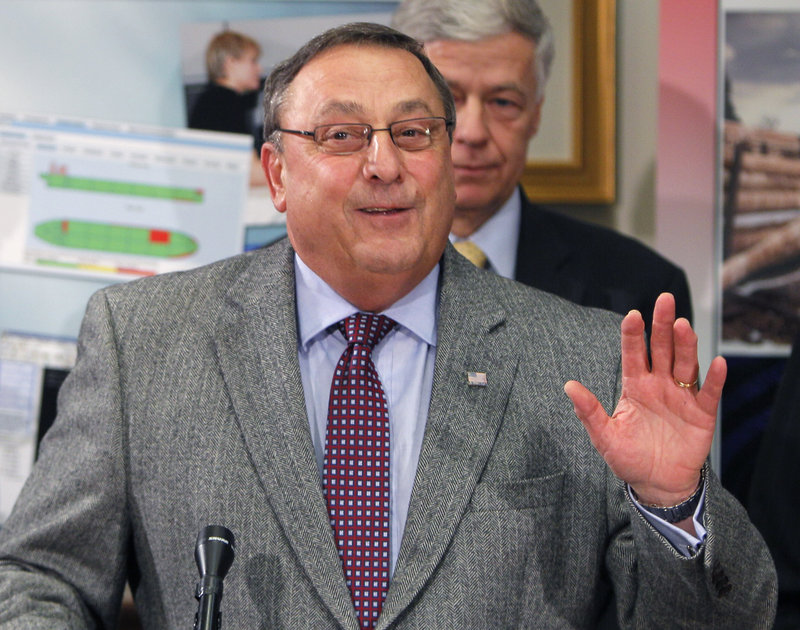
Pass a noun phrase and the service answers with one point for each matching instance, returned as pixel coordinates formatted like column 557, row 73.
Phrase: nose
column 471, row 124
column 384, row 161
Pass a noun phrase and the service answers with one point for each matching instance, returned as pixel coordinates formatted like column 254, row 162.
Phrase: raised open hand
column 661, row 431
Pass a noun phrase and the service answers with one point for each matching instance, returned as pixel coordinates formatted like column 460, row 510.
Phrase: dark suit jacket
column 594, row 266
column 774, row 503
column 186, row 408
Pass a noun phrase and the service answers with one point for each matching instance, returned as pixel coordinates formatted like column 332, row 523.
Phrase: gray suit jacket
column 186, row 409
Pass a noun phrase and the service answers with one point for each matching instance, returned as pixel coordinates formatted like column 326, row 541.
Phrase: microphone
column 213, row 553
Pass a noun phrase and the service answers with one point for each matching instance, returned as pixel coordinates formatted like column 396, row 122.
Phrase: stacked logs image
column 761, row 240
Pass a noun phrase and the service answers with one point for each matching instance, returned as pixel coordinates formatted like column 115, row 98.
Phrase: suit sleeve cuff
column 683, row 542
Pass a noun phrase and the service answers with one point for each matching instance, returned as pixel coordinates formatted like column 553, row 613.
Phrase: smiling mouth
column 382, row 210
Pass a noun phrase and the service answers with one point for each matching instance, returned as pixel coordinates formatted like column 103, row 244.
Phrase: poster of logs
column 760, row 271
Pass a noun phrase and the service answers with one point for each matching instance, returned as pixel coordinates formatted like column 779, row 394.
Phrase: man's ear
column 272, row 163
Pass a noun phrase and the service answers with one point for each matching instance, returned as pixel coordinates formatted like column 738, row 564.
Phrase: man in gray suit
column 202, row 397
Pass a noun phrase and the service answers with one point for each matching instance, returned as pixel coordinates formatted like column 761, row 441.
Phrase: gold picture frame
column 588, row 176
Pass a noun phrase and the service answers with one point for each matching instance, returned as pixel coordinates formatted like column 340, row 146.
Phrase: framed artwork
column 572, row 159
column 758, row 225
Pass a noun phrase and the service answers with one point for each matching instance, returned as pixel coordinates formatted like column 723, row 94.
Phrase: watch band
column 683, row 510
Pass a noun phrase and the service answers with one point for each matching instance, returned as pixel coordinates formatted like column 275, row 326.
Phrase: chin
column 388, row 265
column 472, row 206
column 472, row 194
column 387, row 260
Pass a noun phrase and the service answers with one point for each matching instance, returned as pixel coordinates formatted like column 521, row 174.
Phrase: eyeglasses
column 414, row 134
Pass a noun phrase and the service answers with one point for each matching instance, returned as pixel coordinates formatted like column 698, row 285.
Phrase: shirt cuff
column 683, row 542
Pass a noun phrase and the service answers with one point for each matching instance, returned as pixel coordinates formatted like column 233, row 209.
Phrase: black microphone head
column 214, row 551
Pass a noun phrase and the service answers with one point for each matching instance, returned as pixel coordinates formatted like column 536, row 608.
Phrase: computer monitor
column 32, row 368
column 118, row 200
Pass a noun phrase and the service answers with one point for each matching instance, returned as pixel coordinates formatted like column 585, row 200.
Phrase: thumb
column 589, row 411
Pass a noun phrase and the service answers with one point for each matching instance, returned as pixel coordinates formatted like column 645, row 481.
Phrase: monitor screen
column 32, row 368
column 118, row 199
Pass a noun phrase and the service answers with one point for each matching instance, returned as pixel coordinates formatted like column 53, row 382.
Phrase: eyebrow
column 341, row 107
column 407, row 107
column 507, row 87
column 510, row 86
column 351, row 107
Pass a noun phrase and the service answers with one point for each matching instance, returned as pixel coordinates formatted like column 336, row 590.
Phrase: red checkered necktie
column 356, row 466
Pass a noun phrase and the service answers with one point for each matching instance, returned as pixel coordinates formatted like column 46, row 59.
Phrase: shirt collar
column 499, row 235
column 319, row 307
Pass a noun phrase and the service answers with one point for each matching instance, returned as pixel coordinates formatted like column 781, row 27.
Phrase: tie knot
column 472, row 253
column 365, row 328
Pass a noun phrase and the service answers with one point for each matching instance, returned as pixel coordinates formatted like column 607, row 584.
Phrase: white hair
column 472, row 20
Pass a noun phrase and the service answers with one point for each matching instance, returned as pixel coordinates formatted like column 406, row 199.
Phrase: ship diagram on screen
column 118, row 199
column 125, row 221
column 108, row 237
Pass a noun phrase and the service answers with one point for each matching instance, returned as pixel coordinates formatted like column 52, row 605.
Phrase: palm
column 660, row 433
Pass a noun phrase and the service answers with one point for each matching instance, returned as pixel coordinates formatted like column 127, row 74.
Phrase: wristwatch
column 683, row 510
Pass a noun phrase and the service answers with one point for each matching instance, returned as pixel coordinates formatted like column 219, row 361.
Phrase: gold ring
column 684, row 385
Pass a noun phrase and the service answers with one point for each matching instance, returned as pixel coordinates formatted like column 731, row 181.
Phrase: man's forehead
column 349, row 79
column 490, row 79
column 501, row 58
column 361, row 57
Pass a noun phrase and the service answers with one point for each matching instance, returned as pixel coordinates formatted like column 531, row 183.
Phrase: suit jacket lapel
column 461, row 428
column 257, row 347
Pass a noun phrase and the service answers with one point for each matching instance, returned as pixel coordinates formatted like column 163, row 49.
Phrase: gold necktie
column 472, row 253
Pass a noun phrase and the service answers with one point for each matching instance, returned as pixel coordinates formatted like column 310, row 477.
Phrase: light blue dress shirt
column 404, row 361
column 498, row 237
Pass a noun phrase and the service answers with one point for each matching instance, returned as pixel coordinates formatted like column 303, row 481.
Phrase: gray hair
column 356, row 33
column 472, row 20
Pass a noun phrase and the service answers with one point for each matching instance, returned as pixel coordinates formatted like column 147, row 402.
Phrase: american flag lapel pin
column 476, row 379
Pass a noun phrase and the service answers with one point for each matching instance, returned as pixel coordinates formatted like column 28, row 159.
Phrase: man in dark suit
column 224, row 395
column 496, row 56
column 774, row 503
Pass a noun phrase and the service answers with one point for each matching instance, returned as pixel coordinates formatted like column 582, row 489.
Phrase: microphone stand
column 214, row 553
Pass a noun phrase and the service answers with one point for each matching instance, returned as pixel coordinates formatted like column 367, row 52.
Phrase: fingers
column 709, row 395
column 662, row 350
column 685, row 368
column 634, row 345
column 589, row 411
column 673, row 345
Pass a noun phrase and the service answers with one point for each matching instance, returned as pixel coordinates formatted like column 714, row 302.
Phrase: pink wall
column 686, row 170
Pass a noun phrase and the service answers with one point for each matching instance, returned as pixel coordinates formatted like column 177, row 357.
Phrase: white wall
column 633, row 211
